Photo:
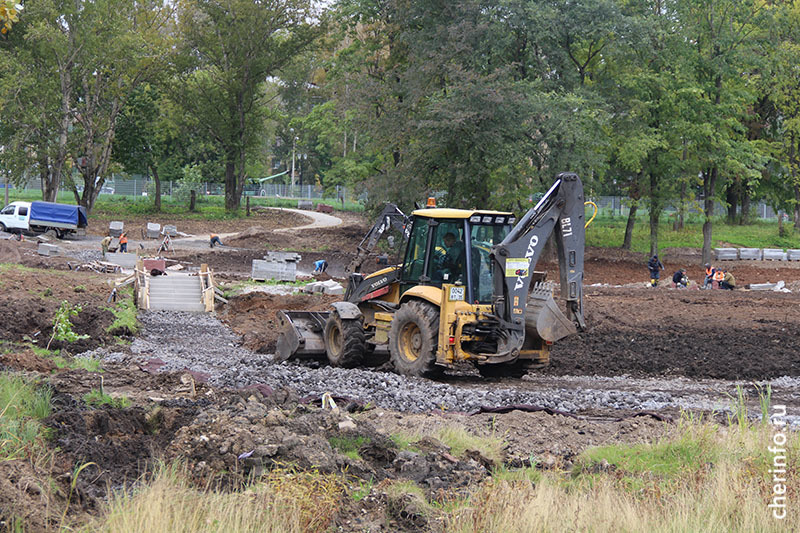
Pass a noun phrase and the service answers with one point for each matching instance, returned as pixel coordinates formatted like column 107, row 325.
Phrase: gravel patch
column 201, row 343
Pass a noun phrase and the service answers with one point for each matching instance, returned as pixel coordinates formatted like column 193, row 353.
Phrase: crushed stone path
column 201, row 343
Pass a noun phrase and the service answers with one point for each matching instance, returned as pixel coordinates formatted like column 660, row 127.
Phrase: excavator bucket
column 543, row 318
column 301, row 335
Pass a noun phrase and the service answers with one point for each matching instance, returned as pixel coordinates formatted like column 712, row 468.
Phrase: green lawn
column 609, row 231
column 208, row 207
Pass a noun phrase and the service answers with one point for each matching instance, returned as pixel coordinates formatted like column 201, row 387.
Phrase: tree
column 230, row 48
column 81, row 60
column 724, row 39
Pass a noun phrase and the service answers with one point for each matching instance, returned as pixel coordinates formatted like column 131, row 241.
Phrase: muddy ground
column 680, row 338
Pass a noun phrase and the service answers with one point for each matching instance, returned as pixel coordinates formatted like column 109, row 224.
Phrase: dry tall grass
column 729, row 493
column 284, row 502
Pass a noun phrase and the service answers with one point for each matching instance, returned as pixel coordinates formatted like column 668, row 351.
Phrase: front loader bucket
column 301, row 335
column 543, row 318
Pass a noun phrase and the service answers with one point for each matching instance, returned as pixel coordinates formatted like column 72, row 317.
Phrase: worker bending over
column 728, row 281
column 680, row 280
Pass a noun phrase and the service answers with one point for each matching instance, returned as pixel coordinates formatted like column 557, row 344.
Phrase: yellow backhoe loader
column 465, row 291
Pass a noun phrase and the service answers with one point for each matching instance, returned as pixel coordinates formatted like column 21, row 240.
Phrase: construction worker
column 709, row 276
column 123, row 242
column 320, row 266
column 728, row 281
column 717, row 278
column 104, row 244
column 679, row 279
column 215, row 240
column 655, row 267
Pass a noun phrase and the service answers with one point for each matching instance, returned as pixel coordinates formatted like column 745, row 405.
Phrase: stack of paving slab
column 170, row 230
column 771, row 254
column 325, row 287
column 153, row 230
column 756, row 254
column 115, row 228
column 305, row 204
column 48, row 249
column 126, row 260
column 281, row 266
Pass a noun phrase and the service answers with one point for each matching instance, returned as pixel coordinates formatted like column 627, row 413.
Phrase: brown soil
column 30, row 298
column 254, row 315
column 228, row 436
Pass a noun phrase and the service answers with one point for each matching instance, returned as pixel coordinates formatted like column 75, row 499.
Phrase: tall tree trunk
column 680, row 214
column 745, row 197
column 634, row 193
column 157, row 181
column 796, row 206
column 655, row 212
column 231, row 202
column 732, row 198
column 709, row 186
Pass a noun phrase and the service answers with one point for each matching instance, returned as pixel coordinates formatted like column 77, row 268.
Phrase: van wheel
column 414, row 339
column 3, row 227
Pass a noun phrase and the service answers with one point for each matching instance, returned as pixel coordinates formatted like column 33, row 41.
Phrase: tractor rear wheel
column 345, row 341
column 413, row 339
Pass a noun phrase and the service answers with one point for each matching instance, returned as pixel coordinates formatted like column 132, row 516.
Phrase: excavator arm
column 518, row 306
column 390, row 217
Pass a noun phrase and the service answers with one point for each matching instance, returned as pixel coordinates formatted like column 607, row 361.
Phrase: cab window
column 8, row 210
column 449, row 259
column 23, row 211
column 482, row 240
column 414, row 262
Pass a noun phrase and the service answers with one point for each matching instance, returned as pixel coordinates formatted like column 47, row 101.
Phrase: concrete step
column 177, row 306
column 176, row 292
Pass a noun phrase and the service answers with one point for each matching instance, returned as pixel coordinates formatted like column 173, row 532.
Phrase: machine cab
column 452, row 246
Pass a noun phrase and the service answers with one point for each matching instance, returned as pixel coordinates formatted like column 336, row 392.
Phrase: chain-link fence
column 135, row 187
column 620, row 206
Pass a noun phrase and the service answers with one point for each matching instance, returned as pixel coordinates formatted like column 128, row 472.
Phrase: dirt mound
column 27, row 360
column 254, row 315
column 9, row 251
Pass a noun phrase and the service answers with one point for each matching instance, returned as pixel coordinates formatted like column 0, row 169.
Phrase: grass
column 125, row 320
column 208, row 207
column 608, row 232
column 460, row 440
column 702, row 478
column 22, row 405
column 285, row 501
column 97, row 398
column 349, row 446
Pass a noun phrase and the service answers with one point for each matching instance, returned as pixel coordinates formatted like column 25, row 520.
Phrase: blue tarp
column 60, row 213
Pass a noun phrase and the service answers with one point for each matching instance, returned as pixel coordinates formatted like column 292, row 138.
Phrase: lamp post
column 294, row 147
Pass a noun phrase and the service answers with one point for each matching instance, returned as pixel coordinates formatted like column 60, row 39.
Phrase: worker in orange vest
column 123, row 243
column 215, row 240
column 718, row 276
column 709, row 275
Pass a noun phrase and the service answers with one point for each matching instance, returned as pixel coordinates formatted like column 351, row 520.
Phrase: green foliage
column 97, row 398
column 349, row 445
column 62, row 326
column 22, row 405
column 125, row 320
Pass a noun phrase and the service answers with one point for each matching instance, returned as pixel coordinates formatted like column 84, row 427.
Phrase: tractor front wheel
column 345, row 341
column 413, row 339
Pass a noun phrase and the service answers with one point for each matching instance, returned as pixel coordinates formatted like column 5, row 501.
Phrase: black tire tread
column 426, row 316
column 354, row 341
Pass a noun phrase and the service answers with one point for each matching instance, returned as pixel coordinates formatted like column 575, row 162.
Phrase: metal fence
column 620, row 206
column 134, row 187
